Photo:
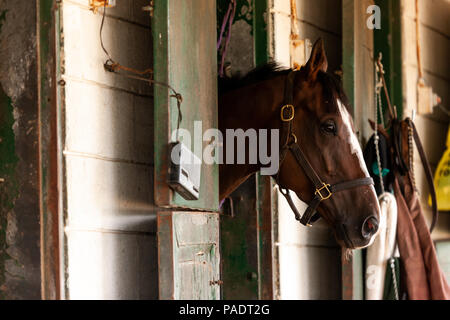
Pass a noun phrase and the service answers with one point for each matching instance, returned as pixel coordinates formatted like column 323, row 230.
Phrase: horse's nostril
column 370, row 227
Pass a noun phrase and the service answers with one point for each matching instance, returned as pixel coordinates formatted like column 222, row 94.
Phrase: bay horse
column 327, row 151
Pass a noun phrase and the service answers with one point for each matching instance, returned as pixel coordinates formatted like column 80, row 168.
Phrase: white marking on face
column 356, row 149
column 352, row 139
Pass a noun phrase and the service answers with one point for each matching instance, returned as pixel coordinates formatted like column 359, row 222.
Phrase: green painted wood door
column 189, row 257
column 184, row 41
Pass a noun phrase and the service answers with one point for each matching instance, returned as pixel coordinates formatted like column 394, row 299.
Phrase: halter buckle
column 294, row 137
column 326, row 188
column 291, row 114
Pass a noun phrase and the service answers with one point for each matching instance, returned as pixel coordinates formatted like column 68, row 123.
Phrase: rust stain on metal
column 217, row 282
column 94, row 5
column 295, row 40
column 294, row 21
column 48, row 159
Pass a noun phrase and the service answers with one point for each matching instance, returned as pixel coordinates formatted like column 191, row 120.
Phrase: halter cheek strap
column 289, row 143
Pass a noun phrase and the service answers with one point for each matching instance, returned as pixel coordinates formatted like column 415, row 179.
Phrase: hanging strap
column 428, row 173
column 396, row 137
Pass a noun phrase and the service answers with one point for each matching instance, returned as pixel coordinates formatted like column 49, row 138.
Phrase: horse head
column 325, row 134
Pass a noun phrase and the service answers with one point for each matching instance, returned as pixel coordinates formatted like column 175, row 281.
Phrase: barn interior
column 85, row 209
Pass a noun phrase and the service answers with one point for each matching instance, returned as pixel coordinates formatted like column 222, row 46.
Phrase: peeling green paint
column 8, row 189
column 260, row 34
column 238, row 267
column 8, row 161
column 239, row 246
column 2, row 17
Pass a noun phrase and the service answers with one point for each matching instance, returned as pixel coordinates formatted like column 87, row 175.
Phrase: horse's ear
column 318, row 60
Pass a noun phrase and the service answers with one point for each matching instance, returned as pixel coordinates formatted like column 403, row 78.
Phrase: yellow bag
column 442, row 179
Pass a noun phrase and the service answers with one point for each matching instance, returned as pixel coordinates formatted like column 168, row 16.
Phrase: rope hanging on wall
column 228, row 19
column 112, row 66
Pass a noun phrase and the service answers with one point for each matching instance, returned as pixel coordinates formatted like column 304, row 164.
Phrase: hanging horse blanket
column 382, row 249
column 420, row 271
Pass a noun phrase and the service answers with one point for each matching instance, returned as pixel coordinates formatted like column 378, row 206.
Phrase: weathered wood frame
column 52, row 281
column 191, row 70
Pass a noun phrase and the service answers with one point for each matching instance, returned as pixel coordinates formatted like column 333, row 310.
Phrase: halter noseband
column 288, row 141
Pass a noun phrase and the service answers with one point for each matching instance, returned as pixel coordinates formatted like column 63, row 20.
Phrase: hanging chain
column 394, row 278
column 379, row 106
column 411, row 157
column 378, row 86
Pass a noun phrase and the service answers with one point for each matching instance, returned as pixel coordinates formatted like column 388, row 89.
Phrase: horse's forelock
column 332, row 90
column 261, row 73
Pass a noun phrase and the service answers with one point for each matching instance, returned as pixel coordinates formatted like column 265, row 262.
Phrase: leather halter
column 288, row 142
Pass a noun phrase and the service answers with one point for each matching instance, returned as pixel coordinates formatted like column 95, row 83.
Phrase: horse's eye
column 329, row 127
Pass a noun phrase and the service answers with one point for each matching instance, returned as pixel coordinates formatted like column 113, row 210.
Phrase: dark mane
column 331, row 83
column 264, row 72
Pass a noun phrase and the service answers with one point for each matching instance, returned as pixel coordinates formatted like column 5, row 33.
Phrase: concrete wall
column 20, row 270
column 109, row 218
column 321, row 19
column 435, row 51
column 363, row 67
column 309, row 258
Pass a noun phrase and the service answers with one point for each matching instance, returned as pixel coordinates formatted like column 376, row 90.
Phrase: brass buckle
column 324, row 187
column 294, row 136
column 291, row 107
